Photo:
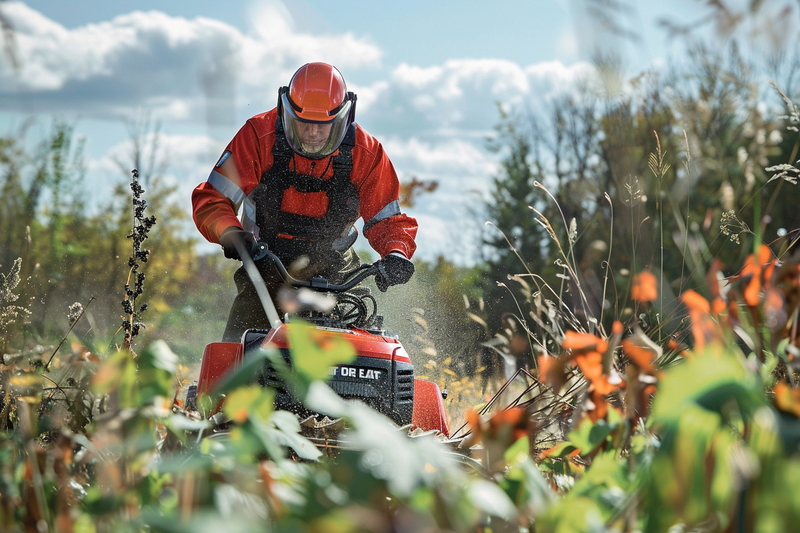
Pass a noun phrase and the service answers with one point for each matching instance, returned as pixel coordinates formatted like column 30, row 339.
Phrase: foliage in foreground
column 685, row 422
column 705, row 437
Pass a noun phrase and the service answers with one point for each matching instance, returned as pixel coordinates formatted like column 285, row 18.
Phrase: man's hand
column 231, row 236
column 394, row 269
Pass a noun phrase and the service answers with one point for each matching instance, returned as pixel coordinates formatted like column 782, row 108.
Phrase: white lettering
column 355, row 372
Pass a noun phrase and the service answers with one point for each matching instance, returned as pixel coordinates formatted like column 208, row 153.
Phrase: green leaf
column 712, row 379
column 562, row 449
column 531, row 490
column 387, row 454
column 589, row 436
column 322, row 399
column 157, row 366
column 84, row 523
column 180, row 422
column 518, row 451
column 159, row 355
column 607, row 471
column 314, row 350
column 117, row 374
column 284, row 429
column 573, row 515
column 765, row 370
column 246, row 374
column 731, row 455
column 490, row 498
column 243, row 515
column 243, row 402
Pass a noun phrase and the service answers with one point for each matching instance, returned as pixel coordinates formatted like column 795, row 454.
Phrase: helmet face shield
column 315, row 139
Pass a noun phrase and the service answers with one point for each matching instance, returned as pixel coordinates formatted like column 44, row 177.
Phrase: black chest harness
column 312, row 236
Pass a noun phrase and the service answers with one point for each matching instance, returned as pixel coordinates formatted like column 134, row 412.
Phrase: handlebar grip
column 258, row 282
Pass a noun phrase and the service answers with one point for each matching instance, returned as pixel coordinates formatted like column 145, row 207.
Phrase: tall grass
column 663, row 414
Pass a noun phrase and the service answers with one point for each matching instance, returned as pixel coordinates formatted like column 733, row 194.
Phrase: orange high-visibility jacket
column 216, row 202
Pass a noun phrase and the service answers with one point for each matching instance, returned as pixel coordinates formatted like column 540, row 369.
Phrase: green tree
column 71, row 255
column 648, row 172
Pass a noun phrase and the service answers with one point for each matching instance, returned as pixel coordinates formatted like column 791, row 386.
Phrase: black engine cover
column 384, row 384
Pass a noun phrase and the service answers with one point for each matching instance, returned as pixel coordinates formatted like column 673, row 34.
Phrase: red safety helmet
column 316, row 109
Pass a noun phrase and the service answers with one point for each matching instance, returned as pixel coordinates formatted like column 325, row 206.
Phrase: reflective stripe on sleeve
column 229, row 189
column 389, row 210
column 249, row 216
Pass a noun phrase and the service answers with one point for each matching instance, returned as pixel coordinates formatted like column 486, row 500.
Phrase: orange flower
column 677, row 347
column 551, row 371
column 787, row 399
column 712, row 281
column 600, row 410
column 695, row 302
column 704, row 329
column 544, row 362
column 583, row 342
column 764, row 255
column 591, row 364
column 753, row 287
column 644, row 287
column 774, row 308
column 711, row 278
column 733, row 312
column 544, row 454
column 514, row 419
column 475, row 428
column 759, row 270
column 640, row 356
column 673, row 345
column 473, row 419
column 769, row 266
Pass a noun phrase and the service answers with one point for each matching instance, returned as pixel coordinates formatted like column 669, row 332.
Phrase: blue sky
column 429, row 76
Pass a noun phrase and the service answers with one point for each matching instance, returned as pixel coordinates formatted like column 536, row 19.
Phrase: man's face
column 313, row 135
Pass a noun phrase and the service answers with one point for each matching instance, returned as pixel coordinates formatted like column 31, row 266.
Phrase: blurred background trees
column 670, row 173
column 657, row 170
column 72, row 252
column 665, row 172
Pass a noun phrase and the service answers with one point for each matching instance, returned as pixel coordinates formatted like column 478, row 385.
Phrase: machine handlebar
column 320, row 284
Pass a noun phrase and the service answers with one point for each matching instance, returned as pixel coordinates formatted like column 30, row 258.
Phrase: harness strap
column 312, row 236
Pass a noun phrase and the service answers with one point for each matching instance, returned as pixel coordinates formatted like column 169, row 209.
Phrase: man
column 303, row 173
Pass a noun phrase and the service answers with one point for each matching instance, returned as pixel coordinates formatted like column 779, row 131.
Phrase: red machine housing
column 218, row 358
column 381, row 375
column 429, row 410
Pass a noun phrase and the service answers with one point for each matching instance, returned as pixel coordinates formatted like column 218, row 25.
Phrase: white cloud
column 168, row 64
column 567, row 43
column 450, row 217
column 436, row 236
column 459, row 97
column 458, row 94
column 434, row 121
column 186, row 162
column 453, row 156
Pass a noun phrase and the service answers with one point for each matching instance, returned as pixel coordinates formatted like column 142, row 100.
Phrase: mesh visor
column 314, row 139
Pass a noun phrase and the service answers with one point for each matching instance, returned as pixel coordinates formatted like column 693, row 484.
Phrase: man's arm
column 215, row 202
column 386, row 227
